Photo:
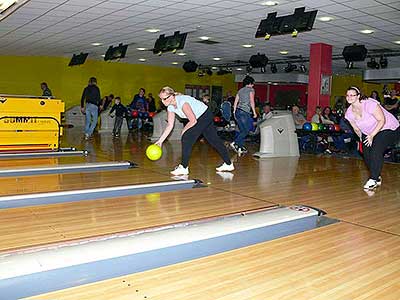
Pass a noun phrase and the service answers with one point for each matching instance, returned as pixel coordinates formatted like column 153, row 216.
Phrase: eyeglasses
column 163, row 99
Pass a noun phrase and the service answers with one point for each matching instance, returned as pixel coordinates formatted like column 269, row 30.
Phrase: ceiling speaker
column 190, row 66
column 258, row 61
column 355, row 53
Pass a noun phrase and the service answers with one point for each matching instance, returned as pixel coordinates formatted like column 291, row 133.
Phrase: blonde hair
column 169, row 91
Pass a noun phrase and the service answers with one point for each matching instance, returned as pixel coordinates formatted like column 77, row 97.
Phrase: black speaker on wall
column 355, row 53
column 190, row 66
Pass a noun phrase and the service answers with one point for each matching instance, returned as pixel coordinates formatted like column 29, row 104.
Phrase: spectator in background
column 139, row 101
column 298, row 118
column 328, row 117
column 46, row 91
column 210, row 103
column 90, row 102
column 375, row 95
column 391, row 103
column 107, row 101
column 267, row 112
column 151, row 103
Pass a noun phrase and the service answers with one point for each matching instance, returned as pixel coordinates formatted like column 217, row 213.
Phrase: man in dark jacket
column 90, row 102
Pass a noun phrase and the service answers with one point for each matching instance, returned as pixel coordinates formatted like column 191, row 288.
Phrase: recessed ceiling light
column 397, row 42
column 181, row 53
column 216, row 58
column 269, row 3
column 247, row 46
column 142, row 59
column 141, row 49
column 97, row 44
column 283, row 52
column 153, row 30
column 325, row 19
column 367, row 31
column 204, row 38
column 174, row 63
column 239, row 69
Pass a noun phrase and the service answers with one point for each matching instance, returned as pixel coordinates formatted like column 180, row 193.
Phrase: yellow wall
column 23, row 75
column 341, row 83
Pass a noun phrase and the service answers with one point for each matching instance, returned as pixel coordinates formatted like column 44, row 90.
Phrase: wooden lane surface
column 337, row 262
column 331, row 184
column 31, row 226
column 74, row 181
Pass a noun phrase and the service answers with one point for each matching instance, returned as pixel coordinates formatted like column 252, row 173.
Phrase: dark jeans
column 242, row 119
column 374, row 155
column 117, row 125
column 204, row 126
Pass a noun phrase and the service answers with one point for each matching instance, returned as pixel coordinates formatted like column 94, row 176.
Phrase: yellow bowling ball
column 154, row 152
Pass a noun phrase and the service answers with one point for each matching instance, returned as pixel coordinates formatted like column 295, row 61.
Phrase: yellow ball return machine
column 31, row 126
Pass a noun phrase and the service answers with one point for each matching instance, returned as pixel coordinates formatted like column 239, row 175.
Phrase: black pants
column 117, row 125
column 374, row 155
column 204, row 126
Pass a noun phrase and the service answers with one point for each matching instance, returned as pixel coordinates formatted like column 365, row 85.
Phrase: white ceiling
column 65, row 27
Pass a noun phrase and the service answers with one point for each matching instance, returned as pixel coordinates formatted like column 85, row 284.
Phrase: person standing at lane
column 244, row 111
column 90, row 102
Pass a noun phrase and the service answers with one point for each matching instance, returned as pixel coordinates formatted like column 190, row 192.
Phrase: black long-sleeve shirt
column 120, row 110
column 91, row 94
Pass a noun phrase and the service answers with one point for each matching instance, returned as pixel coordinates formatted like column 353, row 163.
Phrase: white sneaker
column 180, row 170
column 234, row 147
column 225, row 168
column 379, row 181
column 370, row 184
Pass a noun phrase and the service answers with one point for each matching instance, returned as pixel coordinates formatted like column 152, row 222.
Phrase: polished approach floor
column 357, row 258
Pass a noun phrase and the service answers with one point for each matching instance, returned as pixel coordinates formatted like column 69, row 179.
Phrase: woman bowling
column 376, row 128
column 200, row 122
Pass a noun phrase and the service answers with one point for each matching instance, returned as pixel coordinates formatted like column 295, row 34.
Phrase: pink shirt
column 367, row 123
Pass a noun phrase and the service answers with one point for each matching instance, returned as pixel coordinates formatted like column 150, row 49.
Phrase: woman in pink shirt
column 376, row 128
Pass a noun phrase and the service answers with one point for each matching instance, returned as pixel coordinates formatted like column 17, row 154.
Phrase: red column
column 319, row 77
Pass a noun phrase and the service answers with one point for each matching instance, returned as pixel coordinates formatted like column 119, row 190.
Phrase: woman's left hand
column 368, row 140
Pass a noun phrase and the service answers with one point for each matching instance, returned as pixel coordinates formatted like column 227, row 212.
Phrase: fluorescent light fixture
column 269, row 3
column 239, row 69
column 142, row 59
column 247, row 46
column 216, row 58
column 7, row 7
column 181, row 53
column 97, row 44
column 284, row 52
column 103, row 55
column 367, row 31
column 204, row 38
column 153, row 30
column 174, row 63
column 325, row 19
column 141, row 49
column 214, row 68
column 397, row 42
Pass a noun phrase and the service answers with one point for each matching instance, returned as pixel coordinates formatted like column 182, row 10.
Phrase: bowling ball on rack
column 307, row 126
column 314, row 126
column 135, row 113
